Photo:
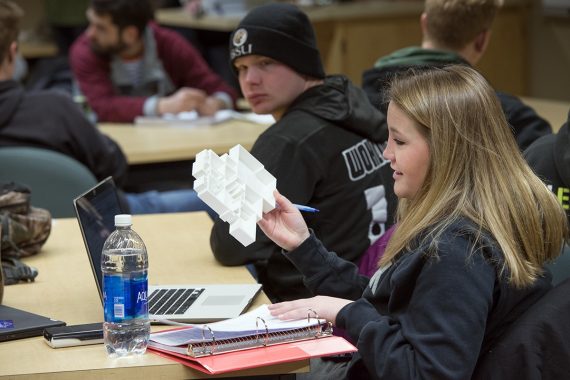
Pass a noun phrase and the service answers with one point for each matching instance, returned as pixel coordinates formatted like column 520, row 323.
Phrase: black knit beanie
column 282, row 32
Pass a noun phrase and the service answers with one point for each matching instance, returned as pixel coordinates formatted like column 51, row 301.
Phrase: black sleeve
column 324, row 273
column 97, row 151
column 540, row 157
column 374, row 85
column 439, row 313
column 228, row 251
column 526, row 123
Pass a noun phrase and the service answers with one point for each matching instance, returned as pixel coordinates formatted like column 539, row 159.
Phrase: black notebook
column 17, row 324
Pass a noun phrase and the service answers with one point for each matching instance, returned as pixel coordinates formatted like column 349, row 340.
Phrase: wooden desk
column 554, row 111
column 37, row 49
column 352, row 36
column 65, row 289
column 179, row 17
column 151, row 144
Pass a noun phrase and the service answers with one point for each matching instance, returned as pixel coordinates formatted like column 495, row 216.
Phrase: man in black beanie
column 324, row 148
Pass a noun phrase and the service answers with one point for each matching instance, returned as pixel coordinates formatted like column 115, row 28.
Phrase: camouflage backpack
column 24, row 228
column 23, row 231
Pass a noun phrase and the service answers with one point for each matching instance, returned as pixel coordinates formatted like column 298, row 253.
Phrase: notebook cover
column 262, row 356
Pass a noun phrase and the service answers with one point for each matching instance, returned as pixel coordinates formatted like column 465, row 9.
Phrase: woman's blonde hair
column 476, row 171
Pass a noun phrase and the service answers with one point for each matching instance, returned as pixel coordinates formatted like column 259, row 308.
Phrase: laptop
column 188, row 303
column 17, row 324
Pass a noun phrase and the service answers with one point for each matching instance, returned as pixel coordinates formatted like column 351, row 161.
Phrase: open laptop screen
column 96, row 210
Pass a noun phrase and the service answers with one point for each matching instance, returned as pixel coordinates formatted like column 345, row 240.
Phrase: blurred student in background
column 50, row 120
column 549, row 157
column 454, row 32
column 128, row 66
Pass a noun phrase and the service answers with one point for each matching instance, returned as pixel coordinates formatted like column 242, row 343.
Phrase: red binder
column 261, row 356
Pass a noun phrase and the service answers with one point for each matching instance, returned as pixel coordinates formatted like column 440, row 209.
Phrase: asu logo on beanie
column 239, row 48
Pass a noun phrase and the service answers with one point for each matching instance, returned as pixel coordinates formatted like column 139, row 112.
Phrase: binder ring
column 309, row 315
column 213, row 346
column 257, row 330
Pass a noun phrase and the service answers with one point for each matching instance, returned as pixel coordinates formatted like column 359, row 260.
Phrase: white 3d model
column 237, row 187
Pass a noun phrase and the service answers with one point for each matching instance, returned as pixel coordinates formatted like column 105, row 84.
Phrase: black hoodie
column 425, row 316
column 326, row 153
column 50, row 120
column 549, row 157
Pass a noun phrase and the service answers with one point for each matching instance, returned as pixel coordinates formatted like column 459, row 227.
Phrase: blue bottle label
column 125, row 296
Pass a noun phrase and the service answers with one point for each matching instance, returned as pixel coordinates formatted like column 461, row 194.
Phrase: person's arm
column 93, row 75
column 96, row 151
column 540, row 156
column 187, row 68
column 527, row 125
column 324, row 273
column 439, row 309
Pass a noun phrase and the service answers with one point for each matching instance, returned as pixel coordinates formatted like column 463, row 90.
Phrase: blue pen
column 305, row 208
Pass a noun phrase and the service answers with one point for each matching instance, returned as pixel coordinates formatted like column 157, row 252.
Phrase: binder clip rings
column 319, row 329
column 213, row 346
column 266, row 340
column 309, row 311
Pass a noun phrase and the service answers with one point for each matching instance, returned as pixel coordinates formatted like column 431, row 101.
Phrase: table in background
column 37, row 49
column 65, row 289
column 154, row 144
column 160, row 157
column 554, row 111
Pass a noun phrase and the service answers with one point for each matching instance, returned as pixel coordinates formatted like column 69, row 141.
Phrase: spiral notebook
column 251, row 340
column 96, row 209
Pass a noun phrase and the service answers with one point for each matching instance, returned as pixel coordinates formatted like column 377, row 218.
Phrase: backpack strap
column 16, row 271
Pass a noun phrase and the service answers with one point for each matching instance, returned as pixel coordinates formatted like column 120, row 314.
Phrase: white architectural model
column 237, row 187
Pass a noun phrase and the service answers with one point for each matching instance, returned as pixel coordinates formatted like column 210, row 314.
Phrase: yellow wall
column 549, row 55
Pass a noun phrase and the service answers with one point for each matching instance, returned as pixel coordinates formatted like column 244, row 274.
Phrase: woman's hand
column 324, row 307
column 284, row 225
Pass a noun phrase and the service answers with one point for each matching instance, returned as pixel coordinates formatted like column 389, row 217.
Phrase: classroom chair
column 54, row 178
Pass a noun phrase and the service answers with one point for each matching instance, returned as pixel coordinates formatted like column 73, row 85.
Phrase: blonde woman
column 475, row 227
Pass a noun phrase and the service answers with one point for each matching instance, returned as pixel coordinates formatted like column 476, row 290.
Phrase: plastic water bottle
column 124, row 263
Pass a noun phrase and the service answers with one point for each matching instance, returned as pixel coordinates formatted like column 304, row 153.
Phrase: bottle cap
column 123, row 220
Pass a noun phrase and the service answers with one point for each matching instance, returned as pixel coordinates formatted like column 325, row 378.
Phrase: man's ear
column 423, row 23
column 482, row 41
column 131, row 34
column 12, row 51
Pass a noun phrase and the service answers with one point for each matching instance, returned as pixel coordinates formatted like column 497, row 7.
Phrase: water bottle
column 124, row 263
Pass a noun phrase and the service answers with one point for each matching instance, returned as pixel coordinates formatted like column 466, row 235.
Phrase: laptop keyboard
column 172, row 301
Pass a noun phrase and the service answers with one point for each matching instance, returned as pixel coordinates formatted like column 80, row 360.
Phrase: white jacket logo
column 377, row 203
column 363, row 158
